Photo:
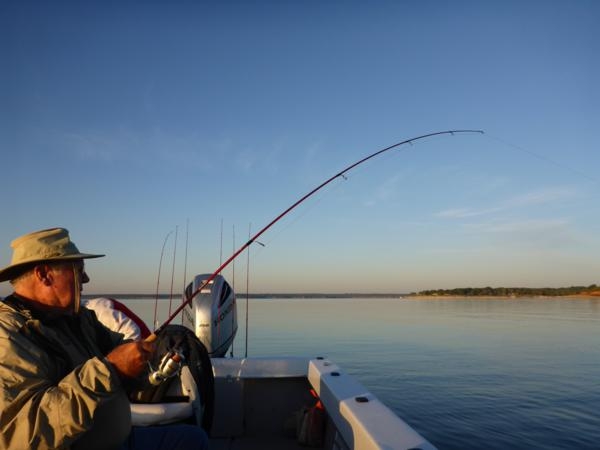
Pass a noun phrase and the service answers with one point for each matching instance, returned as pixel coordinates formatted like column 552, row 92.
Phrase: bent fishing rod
column 290, row 208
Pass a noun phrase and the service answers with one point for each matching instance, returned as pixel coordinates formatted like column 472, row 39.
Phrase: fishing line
column 543, row 158
column 340, row 174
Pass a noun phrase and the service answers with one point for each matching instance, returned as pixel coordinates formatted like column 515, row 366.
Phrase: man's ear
column 43, row 273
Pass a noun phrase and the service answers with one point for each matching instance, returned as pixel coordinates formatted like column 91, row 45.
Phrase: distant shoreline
column 501, row 297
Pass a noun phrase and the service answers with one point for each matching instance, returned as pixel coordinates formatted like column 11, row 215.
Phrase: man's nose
column 84, row 278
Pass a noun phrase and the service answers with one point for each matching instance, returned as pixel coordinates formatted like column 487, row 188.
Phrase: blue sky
column 123, row 121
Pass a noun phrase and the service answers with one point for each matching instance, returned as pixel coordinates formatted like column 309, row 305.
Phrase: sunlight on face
column 68, row 281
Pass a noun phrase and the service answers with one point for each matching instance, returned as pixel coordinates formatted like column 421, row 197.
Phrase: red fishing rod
column 276, row 219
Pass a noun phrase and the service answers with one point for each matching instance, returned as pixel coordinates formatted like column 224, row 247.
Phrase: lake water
column 466, row 373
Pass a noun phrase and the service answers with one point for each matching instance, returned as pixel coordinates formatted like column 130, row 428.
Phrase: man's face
column 67, row 283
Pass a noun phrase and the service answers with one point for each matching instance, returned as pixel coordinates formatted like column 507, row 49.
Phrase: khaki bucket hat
column 52, row 244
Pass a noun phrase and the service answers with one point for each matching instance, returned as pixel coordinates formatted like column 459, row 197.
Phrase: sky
column 182, row 128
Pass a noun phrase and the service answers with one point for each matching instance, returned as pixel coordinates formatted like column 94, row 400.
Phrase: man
column 63, row 375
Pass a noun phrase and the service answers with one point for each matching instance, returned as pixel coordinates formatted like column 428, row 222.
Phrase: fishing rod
column 290, row 208
column 173, row 269
column 187, row 227
column 155, row 322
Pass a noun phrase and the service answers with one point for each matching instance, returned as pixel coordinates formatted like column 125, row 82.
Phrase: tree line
column 510, row 291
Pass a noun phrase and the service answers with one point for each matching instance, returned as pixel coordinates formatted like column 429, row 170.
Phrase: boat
column 267, row 402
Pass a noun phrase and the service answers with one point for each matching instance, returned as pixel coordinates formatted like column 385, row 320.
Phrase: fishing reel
column 169, row 366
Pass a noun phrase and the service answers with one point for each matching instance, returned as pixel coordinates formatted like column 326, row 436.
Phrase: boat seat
column 147, row 414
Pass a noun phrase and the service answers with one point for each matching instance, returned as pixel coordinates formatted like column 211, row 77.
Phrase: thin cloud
column 93, row 147
column 461, row 213
column 526, row 226
column 181, row 150
column 545, row 234
column 537, row 197
column 542, row 196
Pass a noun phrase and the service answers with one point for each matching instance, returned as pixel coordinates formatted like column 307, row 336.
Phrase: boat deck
column 266, row 403
column 254, row 411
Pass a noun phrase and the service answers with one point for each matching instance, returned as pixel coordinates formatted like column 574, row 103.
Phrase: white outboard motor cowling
column 212, row 314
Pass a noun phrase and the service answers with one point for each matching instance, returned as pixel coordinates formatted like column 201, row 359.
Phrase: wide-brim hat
column 52, row 244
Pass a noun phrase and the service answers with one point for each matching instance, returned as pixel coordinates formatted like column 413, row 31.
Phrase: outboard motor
column 212, row 314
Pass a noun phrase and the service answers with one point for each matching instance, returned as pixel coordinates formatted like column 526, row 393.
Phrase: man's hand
column 131, row 359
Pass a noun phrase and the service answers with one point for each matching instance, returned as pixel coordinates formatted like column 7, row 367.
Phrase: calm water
column 467, row 374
